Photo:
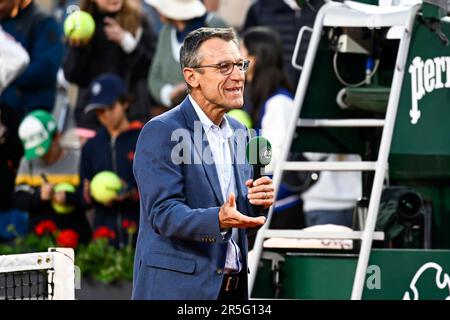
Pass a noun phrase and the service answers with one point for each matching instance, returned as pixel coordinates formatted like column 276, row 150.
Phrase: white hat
column 179, row 9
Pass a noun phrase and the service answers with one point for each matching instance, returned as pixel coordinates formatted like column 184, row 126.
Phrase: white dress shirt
column 218, row 138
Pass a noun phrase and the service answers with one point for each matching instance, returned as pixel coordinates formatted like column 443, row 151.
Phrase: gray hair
column 189, row 56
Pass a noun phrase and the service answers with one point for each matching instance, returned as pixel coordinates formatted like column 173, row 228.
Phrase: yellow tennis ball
column 241, row 116
column 105, row 186
column 61, row 208
column 79, row 25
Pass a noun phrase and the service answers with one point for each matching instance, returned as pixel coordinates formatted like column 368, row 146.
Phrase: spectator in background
column 180, row 17
column 13, row 59
column 270, row 92
column 45, row 165
column 232, row 11
column 123, row 44
column 270, row 95
column 111, row 149
column 332, row 199
column 287, row 18
column 10, row 153
column 42, row 37
column 152, row 15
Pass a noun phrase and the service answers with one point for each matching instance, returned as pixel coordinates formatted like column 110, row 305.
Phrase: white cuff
column 165, row 92
column 128, row 42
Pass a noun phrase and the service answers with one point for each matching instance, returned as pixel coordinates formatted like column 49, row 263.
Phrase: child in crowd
column 47, row 179
column 112, row 149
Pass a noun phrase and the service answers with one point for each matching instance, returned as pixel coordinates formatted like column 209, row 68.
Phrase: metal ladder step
column 311, row 123
column 299, row 234
column 329, row 166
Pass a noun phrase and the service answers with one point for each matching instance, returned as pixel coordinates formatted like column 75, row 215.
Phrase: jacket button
column 219, row 271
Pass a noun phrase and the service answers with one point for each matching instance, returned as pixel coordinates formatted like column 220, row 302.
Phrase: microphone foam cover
column 259, row 151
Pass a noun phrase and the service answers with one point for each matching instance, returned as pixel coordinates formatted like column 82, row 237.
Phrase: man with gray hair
column 179, row 17
column 192, row 240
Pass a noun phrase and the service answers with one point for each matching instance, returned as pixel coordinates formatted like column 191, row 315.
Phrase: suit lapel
column 203, row 150
column 211, row 171
column 237, row 175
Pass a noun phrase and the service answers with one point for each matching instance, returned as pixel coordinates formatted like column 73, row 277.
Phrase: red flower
column 128, row 224
column 130, row 156
column 104, row 232
column 67, row 238
column 45, row 226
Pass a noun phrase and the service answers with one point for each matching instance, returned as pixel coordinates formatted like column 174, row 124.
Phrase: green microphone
column 259, row 154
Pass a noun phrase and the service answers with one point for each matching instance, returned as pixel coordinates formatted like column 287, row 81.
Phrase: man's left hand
column 261, row 192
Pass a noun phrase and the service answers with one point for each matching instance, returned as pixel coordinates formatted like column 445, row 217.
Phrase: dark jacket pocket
column 169, row 262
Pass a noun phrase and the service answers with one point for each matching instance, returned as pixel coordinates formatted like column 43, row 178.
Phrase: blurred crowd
column 72, row 108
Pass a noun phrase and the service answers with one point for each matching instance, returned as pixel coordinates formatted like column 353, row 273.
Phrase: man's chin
column 236, row 104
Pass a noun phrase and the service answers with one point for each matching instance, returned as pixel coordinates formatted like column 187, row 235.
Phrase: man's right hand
column 229, row 217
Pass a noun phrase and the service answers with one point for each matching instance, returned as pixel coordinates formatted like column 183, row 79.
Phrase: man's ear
column 190, row 76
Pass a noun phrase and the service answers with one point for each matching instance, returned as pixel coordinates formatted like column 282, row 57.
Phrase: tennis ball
column 241, row 116
column 105, row 186
column 61, row 208
column 79, row 25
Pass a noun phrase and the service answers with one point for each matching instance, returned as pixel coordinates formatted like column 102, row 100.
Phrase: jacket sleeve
column 75, row 65
column 45, row 56
column 161, row 184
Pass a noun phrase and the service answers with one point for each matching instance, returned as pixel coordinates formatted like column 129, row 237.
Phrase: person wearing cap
column 111, row 149
column 180, row 17
column 123, row 43
column 197, row 191
column 46, row 164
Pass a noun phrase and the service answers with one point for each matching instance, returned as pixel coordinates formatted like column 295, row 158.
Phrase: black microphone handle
column 256, row 175
column 257, row 172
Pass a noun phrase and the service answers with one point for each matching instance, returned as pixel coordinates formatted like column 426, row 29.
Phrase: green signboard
column 392, row 274
column 408, row 275
column 422, row 124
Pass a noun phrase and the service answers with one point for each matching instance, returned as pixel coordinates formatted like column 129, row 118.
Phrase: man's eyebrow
column 230, row 61
column 224, row 61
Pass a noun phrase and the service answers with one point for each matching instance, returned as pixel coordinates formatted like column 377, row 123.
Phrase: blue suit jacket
column 180, row 251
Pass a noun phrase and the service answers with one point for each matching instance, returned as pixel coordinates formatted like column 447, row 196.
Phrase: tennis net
column 38, row 276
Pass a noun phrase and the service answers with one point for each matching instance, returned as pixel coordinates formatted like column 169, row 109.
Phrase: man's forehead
column 217, row 48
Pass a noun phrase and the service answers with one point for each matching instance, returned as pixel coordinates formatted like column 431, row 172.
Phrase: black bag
column 299, row 181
